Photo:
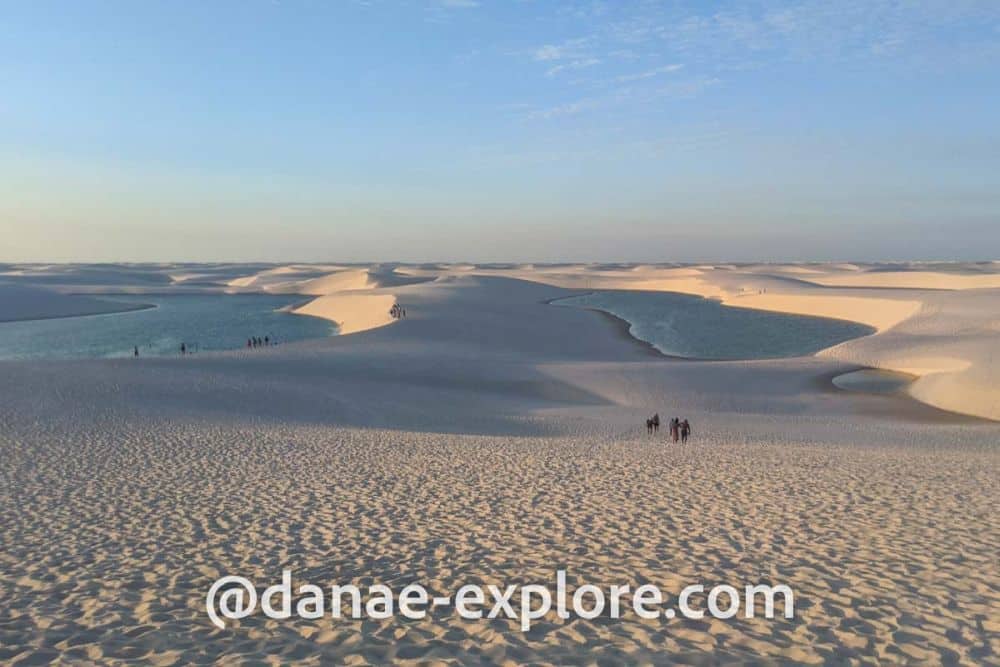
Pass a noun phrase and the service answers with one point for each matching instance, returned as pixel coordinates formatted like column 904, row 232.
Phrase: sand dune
column 911, row 280
column 889, row 563
column 882, row 314
column 353, row 279
column 341, row 280
column 351, row 312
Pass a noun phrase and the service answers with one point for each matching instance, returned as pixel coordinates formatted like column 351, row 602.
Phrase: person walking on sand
column 656, row 422
column 135, row 351
column 649, row 426
column 675, row 425
column 183, row 349
column 685, row 430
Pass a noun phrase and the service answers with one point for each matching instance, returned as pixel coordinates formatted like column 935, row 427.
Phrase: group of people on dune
column 397, row 312
column 679, row 429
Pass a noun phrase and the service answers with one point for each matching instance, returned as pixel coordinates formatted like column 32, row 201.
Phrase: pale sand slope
column 20, row 302
column 912, row 279
column 947, row 337
column 487, row 437
column 352, row 312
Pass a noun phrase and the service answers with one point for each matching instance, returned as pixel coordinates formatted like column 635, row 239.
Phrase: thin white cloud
column 572, row 65
column 570, row 109
column 729, row 37
column 649, row 74
column 572, row 48
column 633, row 96
column 458, row 4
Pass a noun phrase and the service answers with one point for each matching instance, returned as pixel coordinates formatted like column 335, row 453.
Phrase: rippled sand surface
column 112, row 536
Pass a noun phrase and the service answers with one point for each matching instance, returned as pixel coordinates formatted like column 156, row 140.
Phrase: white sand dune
column 353, row 279
column 352, row 298
column 911, row 280
column 490, row 437
column 351, row 312
column 309, row 281
column 880, row 313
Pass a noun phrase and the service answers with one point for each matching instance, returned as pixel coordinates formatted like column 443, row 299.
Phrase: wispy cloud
column 568, row 109
column 573, row 48
column 572, row 65
column 641, row 46
column 457, row 4
column 649, row 74
column 733, row 36
column 628, row 95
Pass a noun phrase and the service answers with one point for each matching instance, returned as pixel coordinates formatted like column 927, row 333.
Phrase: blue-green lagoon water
column 873, row 381
column 682, row 325
column 203, row 322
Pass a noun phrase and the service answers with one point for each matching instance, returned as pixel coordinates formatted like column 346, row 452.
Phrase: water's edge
column 131, row 309
column 626, row 327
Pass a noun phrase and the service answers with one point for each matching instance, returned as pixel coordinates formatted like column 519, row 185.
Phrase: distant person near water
column 258, row 341
column 135, row 351
column 675, row 427
column 685, row 430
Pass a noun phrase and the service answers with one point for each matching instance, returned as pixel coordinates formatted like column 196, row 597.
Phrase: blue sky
column 485, row 130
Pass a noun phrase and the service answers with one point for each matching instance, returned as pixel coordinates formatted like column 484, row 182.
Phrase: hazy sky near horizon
column 490, row 130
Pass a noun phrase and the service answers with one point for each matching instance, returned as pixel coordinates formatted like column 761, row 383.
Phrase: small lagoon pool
column 682, row 325
column 873, row 381
column 203, row 322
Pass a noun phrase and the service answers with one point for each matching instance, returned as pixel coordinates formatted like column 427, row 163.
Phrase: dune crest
column 354, row 279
